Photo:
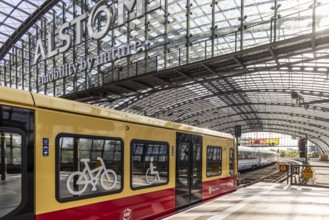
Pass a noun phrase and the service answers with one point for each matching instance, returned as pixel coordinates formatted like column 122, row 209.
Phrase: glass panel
column 321, row 19
column 148, row 168
column 214, row 161
column 97, row 149
column 295, row 18
column 231, row 162
column 85, row 147
column 183, row 162
column 196, row 160
column 10, row 172
column 89, row 165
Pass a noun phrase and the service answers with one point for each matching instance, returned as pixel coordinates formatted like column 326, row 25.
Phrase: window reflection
column 150, row 163
column 10, row 172
column 89, row 158
column 214, row 160
column 231, row 161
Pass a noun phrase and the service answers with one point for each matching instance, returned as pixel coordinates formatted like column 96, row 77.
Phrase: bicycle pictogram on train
column 87, row 176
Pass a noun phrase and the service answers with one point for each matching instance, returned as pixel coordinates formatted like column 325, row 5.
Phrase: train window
column 214, row 161
column 88, row 166
column 231, row 161
column 149, row 164
column 11, row 172
column 246, row 155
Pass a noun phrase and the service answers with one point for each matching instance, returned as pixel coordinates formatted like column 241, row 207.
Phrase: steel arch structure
column 209, row 63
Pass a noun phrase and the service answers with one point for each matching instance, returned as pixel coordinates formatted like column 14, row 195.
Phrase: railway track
column 269, row 174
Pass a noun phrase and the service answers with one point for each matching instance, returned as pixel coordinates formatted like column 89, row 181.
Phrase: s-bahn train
column 250, row 158
column 62, row 159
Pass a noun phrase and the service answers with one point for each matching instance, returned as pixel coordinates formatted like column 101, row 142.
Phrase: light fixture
column 299, row 97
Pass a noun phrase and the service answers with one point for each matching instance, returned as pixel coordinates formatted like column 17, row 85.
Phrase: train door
column 16, row 163
column 188, row 169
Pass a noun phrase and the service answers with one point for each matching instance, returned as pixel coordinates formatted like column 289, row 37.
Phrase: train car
column 251, row 158
column 267, row 157
column 62, row 159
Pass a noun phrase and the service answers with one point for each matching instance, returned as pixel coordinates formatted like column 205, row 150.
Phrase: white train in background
column 251, row 158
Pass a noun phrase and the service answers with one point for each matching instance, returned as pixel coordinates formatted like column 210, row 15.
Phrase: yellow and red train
column 62, row 159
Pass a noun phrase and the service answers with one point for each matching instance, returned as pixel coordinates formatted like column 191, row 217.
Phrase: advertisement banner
column 265, row 141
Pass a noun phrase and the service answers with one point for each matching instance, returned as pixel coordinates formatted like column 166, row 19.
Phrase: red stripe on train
column 214, row 188
column 145, row 206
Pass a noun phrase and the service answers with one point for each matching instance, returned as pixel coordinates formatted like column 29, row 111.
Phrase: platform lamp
column 303, row 149
column 237, row 133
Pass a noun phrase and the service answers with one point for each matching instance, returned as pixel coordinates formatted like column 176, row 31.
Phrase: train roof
column 47, row 102
column 267, row 151
column 247, row 149
column 255, row 150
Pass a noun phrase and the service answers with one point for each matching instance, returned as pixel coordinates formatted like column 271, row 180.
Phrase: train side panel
column 144, row 202
column 250, row 158
column 85, row 162
column 218, row 180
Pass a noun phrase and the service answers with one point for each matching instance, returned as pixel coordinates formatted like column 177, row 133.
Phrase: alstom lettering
column 115, row 16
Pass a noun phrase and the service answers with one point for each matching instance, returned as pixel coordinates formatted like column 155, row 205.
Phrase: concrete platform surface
column 264, row 201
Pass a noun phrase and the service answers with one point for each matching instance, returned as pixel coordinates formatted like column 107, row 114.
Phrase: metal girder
column 271, row 113
column 23, row 28
column 188, row 77
column 289, row 132
column 238, row 62
column 211, row 78
column 278, row 120
column 310, row 131
column 317, row 101
column 132, row 100
column 161, row 79
column 278, row 126
column 258, row 129
column 279, row 130
column 229, row 73
column 313, row 46
column 8, row 16
column 274, row 56
column 14, row 6
column 195, row 81
column 193, row 114
column 211, row 70
column 144, row 83
column 7, row 35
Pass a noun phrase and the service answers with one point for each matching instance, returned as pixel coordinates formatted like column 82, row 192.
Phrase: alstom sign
column 115, row 15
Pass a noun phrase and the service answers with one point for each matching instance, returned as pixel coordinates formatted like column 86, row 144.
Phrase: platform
column 264, row 201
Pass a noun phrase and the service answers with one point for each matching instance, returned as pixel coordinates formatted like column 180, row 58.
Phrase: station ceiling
column 270, row 75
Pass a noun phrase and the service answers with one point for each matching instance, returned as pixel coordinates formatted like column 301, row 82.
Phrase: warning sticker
column 45, row 147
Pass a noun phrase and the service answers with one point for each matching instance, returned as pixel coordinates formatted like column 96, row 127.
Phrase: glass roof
column 13, row 14
column 214, row 64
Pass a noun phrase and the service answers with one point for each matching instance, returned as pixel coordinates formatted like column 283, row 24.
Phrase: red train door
column 188, row 169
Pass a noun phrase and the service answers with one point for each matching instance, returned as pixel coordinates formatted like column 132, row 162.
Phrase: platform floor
column 10, row 194
column 264, row 201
